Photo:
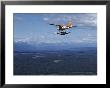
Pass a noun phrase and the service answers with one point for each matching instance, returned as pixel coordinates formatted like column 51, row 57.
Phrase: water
column 59, row 62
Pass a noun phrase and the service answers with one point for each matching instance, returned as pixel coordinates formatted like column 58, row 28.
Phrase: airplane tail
column 69, row 24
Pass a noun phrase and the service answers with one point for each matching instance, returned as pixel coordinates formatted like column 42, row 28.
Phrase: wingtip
column 51, row 24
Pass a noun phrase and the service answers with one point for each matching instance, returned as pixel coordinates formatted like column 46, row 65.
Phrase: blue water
column 58, row 62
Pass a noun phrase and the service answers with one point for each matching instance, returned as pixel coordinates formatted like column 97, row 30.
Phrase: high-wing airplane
column 62, row 28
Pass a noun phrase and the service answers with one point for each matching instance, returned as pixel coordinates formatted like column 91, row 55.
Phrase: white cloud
column 22, row 40
column 78, row 19
column 18, row 18
column 45, row 19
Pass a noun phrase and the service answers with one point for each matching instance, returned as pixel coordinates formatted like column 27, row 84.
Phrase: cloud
column 18, row 18
column 45, row 19
column 57, row 39
column 82, row 19
column 27, row 40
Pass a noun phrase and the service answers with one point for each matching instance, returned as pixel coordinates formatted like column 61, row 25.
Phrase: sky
column 35, row 28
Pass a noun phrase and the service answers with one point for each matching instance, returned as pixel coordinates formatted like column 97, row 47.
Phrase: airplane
column 62, row 28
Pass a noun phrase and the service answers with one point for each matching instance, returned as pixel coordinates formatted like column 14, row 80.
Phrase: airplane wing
column 57, row 25
column 52, row 24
